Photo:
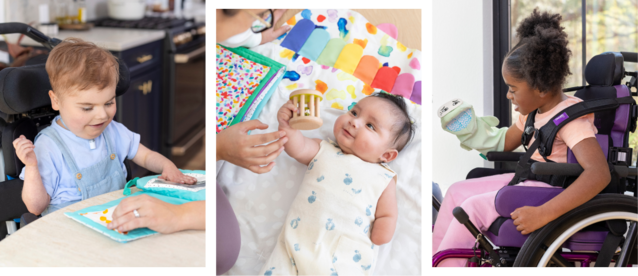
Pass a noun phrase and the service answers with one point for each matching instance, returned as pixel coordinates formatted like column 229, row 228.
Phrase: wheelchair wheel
column 541, row 245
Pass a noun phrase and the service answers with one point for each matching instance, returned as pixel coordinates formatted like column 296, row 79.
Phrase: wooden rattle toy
column 307, row 115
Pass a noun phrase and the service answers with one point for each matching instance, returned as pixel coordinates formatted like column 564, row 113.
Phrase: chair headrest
column 605, row 69
column 26, row 88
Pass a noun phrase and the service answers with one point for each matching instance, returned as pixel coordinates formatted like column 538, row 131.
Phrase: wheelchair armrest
column 575, row 169
column 509, row 198
column 504, row 156
column 11, row 204
column 27, row 218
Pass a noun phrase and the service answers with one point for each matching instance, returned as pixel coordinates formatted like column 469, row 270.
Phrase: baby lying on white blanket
column 346, row 203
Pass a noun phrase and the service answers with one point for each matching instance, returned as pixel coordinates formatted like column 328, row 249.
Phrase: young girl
column 535, row 71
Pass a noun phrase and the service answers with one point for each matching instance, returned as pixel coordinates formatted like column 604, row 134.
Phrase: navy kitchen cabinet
column 139, row 108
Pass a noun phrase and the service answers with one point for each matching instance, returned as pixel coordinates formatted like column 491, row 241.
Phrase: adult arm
column 158, row 215
column 194, row 215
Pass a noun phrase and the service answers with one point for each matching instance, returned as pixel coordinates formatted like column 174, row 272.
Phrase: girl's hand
column 284, row 114
column 529, row 219
column 155, row 214
column 271, row 34
column 248, row 151
column 171, row 173
column 24, row 150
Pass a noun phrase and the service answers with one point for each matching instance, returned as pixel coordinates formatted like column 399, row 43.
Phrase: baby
column 81, row 154
column 347, row 200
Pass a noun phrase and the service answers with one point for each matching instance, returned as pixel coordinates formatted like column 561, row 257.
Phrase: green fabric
column 257, row 58
column 331, row 53
column 479, row 133
column 127, row 187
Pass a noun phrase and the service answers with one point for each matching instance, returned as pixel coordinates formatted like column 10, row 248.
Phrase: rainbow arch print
column 344, row 40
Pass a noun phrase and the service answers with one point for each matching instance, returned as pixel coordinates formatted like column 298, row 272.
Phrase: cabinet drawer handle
column 184, row 58
column 144, row 58
column 146, row 87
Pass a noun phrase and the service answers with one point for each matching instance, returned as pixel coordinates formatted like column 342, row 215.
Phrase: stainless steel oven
column 189, row 116
column 186, row 104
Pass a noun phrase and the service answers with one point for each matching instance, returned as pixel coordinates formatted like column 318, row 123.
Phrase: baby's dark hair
column 541, row 56
column 404, row 128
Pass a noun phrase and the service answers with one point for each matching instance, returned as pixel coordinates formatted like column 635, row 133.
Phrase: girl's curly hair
column 541, row 57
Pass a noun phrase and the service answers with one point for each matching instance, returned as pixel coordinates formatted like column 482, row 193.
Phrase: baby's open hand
column 285, row 113
column 174, row 175
column 24, row 150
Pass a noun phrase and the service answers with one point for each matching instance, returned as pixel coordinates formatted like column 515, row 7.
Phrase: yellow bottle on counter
column 81, row 6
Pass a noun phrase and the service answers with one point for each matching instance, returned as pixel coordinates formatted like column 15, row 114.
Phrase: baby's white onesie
column 327, row 230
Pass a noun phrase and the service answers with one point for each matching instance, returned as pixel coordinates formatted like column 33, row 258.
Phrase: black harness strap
column 549, row 130
column 544, row 137
column 523, row 166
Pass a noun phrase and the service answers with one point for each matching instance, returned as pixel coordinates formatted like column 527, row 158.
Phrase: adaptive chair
column 25, row 109
column 602, row 230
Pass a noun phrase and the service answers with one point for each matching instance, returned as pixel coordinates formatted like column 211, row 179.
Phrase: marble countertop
column 113, row 39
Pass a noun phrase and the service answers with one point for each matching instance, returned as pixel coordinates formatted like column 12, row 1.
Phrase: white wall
column 462, row 68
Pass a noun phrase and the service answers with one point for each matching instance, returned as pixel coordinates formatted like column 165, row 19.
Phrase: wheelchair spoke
column 556, row 244
column 628, row 246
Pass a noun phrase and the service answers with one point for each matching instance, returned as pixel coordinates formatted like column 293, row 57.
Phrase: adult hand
column 155, row 214
column 271, row 34
column 248, row 151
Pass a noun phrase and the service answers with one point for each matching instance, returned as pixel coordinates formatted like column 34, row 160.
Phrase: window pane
column 572, row 22
column 612, row 26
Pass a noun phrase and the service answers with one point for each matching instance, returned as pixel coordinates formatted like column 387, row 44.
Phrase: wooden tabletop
column 56, row 240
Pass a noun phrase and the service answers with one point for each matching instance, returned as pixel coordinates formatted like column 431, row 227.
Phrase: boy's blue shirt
column 57, row 178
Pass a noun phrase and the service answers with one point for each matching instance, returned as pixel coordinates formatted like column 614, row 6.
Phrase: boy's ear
column 54, row 101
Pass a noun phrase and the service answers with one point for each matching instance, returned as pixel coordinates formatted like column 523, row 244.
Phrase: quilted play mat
column 340, row 54
column 346, row 58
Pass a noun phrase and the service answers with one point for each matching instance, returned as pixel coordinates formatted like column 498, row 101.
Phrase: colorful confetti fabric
column 237, row 79
column 244, row 81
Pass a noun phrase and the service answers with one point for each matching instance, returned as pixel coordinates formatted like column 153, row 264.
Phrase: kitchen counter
column 113, row 39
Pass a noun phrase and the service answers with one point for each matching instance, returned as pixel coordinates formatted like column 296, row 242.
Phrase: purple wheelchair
column 601, row 231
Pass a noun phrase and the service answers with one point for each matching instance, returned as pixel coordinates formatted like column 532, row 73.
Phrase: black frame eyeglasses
column 262, row 23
